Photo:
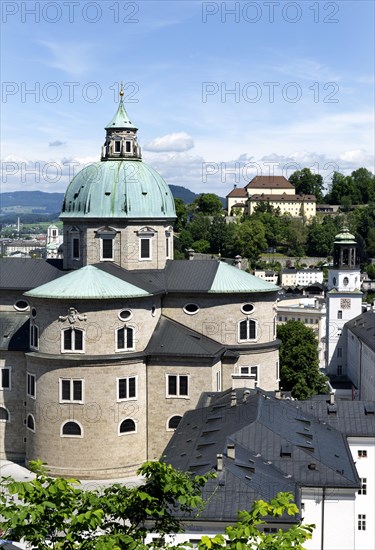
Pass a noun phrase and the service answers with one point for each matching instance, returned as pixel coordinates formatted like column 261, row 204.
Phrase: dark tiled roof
column 352, row 418
column 171, row 338
column 27, row 273
column 363, row 327
column 276, row 182
column 190, row 275
column 152, row 281
column 278, row 446
column 237, row 193
column 14, row 331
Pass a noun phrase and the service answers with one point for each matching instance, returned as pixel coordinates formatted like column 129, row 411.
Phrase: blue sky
column 220, row 91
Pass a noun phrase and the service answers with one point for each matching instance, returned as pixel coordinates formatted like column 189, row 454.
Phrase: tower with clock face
column 344, row 299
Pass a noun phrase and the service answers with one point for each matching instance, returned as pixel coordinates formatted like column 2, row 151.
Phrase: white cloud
column 56, row 143
column 177, row 142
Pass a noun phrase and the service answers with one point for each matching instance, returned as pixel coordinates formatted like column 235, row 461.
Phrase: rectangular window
column 107, row 249
column 361, row 522
column 254, row 373
column 128, row 146
column 75, row 248
column 218, row 381
column 127, row 388
column 5, row 379
column 177, row 385
column 145, row 251
column 71, row 390
column 117, row 146
column 339, row 370
column 339, row 314
column 31, row 385
column 363, row 489
column 339, row 353
column 244, row 370
column 362, row 453
column 34, row 336
column 280, row 319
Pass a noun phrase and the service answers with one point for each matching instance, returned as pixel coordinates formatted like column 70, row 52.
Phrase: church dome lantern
column 345, row 250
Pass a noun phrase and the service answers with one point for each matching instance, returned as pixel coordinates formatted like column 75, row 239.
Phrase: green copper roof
column 121, row 119
column 118, row 189
column 88, row 282
column 231, row 279
column 345, row 237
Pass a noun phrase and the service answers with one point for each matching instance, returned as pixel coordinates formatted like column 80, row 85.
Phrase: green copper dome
column 118, row 189
column 345, row 237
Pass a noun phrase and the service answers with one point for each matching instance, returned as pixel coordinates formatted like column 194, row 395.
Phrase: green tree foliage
column 181, row 213
column 299, row 361
column 358, row 188
column 251, row 239
column 370, row 270
column 245, row 535
column 223, row 237
column 362, row 223
column 295, row 232
column 307, row 183
column 208, row 204
column 58, row 514
column 321, row 233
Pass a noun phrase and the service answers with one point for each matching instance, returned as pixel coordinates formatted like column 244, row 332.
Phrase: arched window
column 72, row 340
column 71, row 429
column 173, row 422
column 30, row 422
column 247, row 330
column 127, row 426
column 4, row 414
column 124, row 339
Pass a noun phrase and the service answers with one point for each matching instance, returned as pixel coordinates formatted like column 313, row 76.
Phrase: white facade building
column 344, row 299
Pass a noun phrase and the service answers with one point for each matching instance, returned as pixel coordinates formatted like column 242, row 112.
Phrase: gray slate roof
column 352, row 418
column 14, row 331
column 363, row 327
column 278, row 446
column 171, row 338
column 27, row 273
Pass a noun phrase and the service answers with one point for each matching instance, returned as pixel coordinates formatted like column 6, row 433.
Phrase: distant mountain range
column 39, row 206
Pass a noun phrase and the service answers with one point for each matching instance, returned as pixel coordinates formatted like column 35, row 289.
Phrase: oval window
column 33, row 312
column 125, row 315
column 21, row 305
column 334, row 281
column 345, row 281
column 191, row 309
column 247, row 308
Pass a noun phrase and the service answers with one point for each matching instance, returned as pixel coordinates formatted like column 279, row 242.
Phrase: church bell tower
column 344, row 299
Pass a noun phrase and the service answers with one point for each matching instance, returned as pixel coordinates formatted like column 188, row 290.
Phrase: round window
column 247, row 308
column 21, row 305
column 125, row 314
column 345, row 281
column 33, row 312
column 191, row 309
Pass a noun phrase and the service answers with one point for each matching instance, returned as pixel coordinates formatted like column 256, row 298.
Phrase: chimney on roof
column 219, row 462
column 246, row 395
column 332, row 398
column 190, row 252
column 231, row 451
column 233, row 399
column 278, row 394
column 237, row 261
column 235, row 186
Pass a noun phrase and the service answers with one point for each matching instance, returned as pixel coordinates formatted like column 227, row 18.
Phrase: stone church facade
column 102, row 352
